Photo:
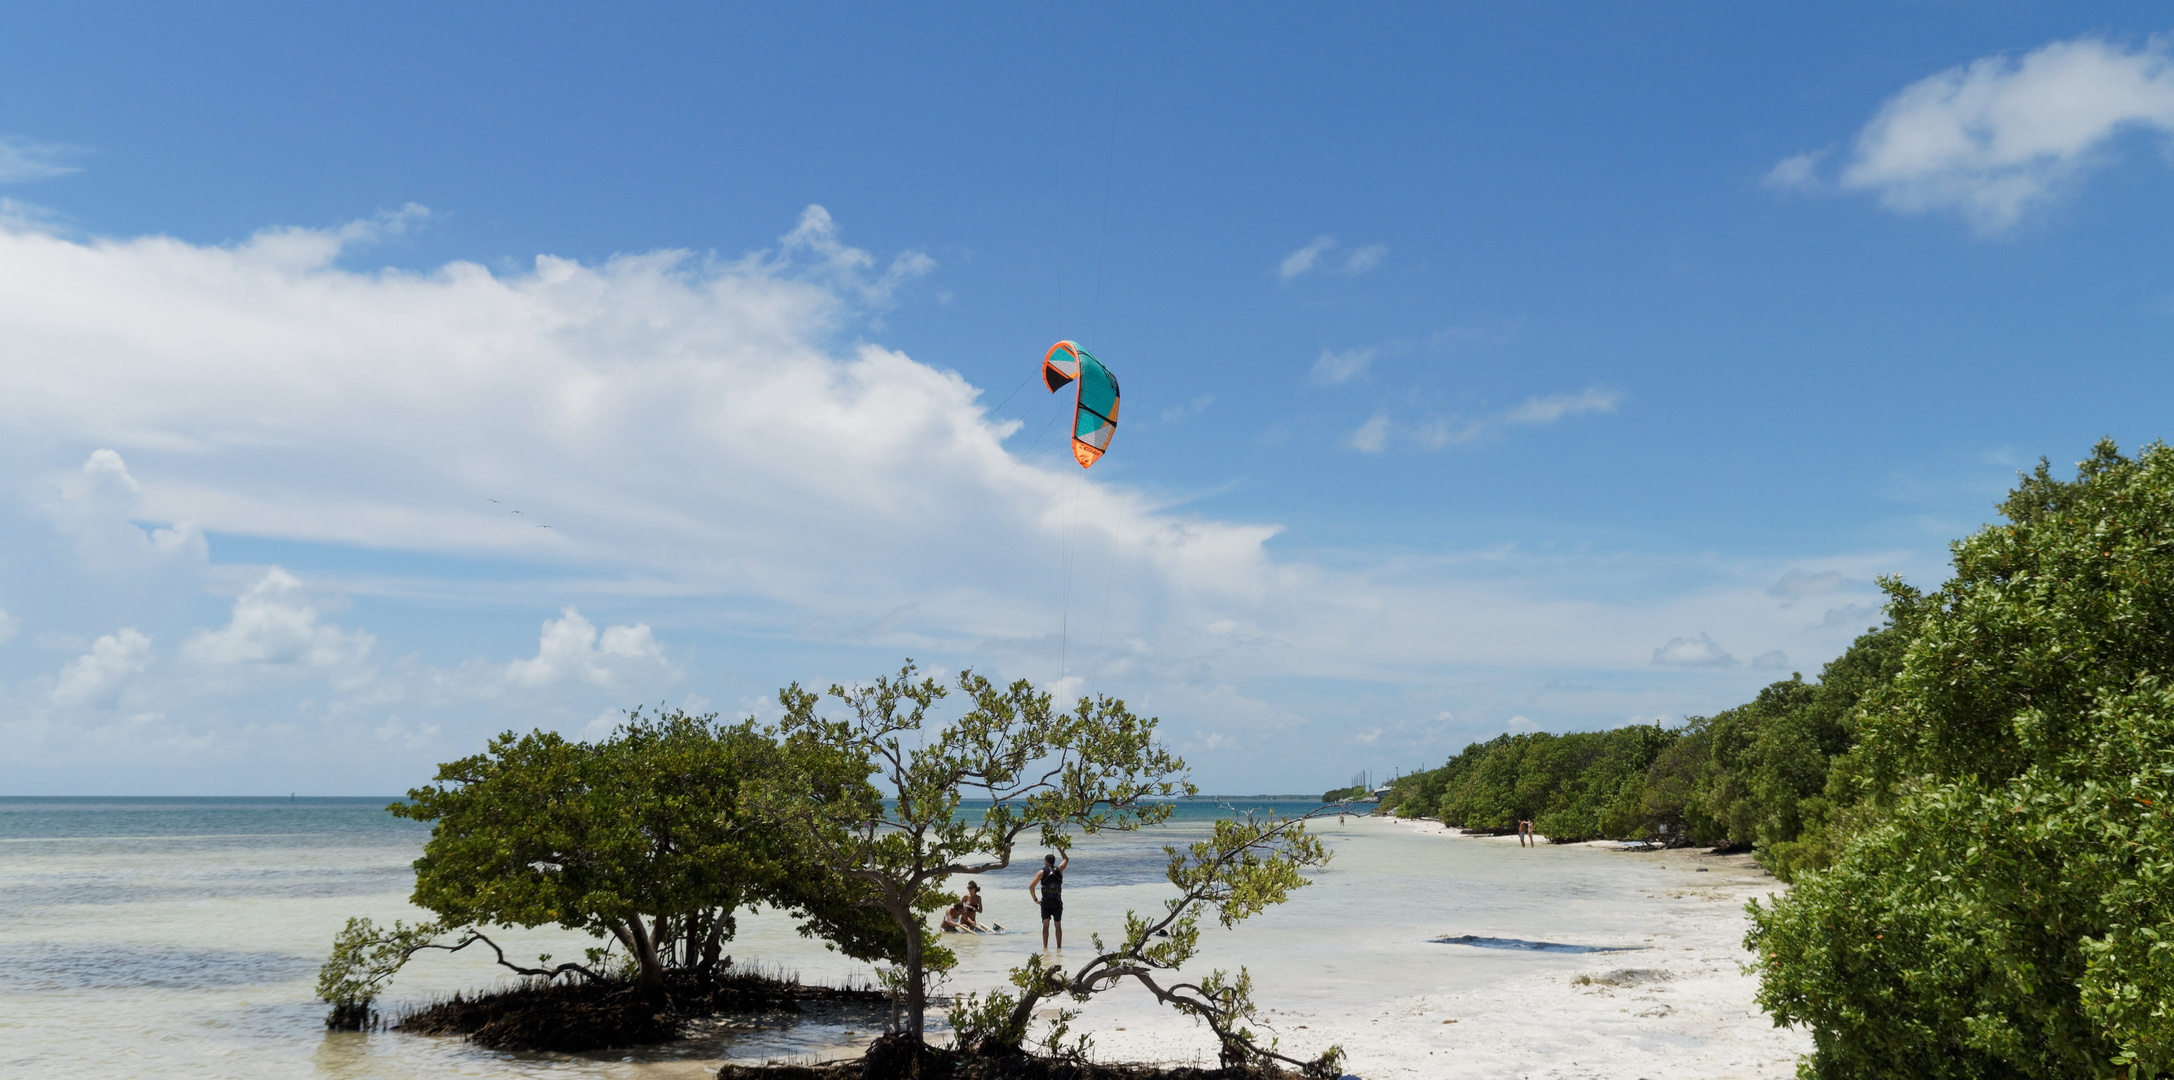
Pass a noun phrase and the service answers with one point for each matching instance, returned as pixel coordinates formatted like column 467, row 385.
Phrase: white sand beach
column 1677, row 1005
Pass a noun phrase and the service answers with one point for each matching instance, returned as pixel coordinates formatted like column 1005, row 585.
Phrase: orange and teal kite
column 1094, row 412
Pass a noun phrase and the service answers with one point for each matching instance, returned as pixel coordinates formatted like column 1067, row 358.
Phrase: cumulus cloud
column 570, row 649
column 95, row 505
column 848, row 268
column 1991, row 139
column 273, row 624
column 1700, row 651
column 1775, row 660
column 706, row 435
column 1333, row 368
column 23, row 160
column 97, row 676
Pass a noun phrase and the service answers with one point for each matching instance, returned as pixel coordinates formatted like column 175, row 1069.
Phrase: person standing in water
column 1050, row 879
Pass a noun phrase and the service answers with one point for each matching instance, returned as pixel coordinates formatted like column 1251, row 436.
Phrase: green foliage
column 1763, row 774
column 1344, row 794
column 363, row 960
column 2008, row 909
column 641, row 837
column 1581, row 786
column 1245, row 866
column 1097, row 767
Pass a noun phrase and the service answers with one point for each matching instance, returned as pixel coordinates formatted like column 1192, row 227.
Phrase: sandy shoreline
column 1678, row 1005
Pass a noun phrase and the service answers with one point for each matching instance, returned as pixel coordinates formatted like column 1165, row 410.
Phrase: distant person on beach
column 1524, row 834
column 1050, row 879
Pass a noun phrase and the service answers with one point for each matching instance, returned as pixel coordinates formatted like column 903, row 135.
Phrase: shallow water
column 185, row 934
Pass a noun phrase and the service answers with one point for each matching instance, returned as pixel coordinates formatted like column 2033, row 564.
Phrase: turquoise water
column 182, row 936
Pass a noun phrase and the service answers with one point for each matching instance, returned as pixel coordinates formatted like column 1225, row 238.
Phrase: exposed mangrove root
column 613, row 1012
column 899, row 1057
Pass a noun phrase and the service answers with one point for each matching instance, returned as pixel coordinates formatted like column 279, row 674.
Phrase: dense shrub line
column 1976, row 801
column 1768, row 774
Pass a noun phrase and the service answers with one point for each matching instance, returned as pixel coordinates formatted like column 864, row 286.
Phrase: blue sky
column 1485, row 369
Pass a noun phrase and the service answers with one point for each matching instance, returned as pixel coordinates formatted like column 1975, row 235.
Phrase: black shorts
column 1053, row 909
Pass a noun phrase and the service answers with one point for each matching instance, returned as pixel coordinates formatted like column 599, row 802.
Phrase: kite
column 1094, row 414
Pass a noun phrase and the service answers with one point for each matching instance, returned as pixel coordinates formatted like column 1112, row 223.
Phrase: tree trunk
column 916, row 993
column 645, row 955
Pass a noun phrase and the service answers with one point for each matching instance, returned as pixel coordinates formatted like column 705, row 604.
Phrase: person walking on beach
column 1050, row 879
column 1524, row 833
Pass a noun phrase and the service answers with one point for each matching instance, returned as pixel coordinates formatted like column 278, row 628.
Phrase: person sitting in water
column 958, row 920
column 972, row 899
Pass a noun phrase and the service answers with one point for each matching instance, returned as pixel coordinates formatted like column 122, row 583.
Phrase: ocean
column 181, row 936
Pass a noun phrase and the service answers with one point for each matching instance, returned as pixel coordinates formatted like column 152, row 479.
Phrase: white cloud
column 1995, row 137
column 1798, row 584
column 1547, row 410
column 571, row 650
column 1302, row 260
column 1797, row 172
column 1443, row 432
column 1700, row 651
column 846, row 268
column 1520, row 725
column 1854, row 617
column 1188, row 410
column 94, row 506
column 1333, row 368
column 1770, row 661
column 1364, row 259
column 274, row 625
column 97, row 676
column 1305, row 259
column 1371, row 435
column 707, row 437
column 23, row 160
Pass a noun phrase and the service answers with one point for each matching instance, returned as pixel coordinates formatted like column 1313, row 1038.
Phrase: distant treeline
column 1767, row 774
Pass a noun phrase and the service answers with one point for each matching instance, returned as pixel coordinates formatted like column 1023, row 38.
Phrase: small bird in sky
column 516, row 513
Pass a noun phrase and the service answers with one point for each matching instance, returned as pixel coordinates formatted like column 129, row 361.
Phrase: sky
column 377, row 379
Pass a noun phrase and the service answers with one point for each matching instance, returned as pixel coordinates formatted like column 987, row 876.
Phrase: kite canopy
column 1094, row 412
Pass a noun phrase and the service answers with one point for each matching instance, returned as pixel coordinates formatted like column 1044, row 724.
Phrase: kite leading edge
column 1094, row 412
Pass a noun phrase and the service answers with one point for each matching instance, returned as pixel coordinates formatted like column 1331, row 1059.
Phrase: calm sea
column 181, row 937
